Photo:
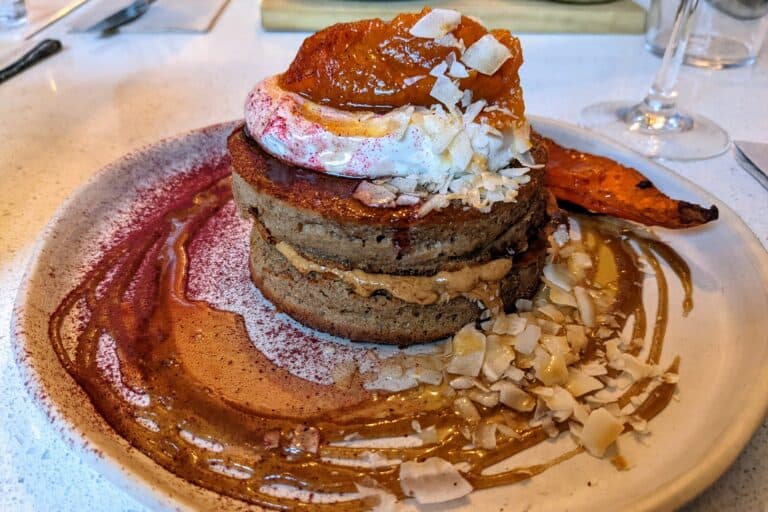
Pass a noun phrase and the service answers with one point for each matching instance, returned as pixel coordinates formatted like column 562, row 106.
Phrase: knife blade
column 125, row 15
column 753, row 157
column 58, row 15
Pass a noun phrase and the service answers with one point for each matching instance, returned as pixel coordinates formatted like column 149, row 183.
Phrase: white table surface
column 99, row 98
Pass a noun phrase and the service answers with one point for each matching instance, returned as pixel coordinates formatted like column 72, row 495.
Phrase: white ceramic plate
column 723, row 344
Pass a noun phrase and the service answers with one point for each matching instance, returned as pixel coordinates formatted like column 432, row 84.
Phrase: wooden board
column 620, row 17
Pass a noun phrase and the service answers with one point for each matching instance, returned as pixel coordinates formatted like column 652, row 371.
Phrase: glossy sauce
column 479, row 282
column 198, row 398
column 374, row 65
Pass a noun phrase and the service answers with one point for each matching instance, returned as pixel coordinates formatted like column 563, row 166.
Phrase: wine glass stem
column 658, row 111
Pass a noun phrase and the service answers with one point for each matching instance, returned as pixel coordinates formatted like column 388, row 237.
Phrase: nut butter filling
column 186, row 386
column 478, row 282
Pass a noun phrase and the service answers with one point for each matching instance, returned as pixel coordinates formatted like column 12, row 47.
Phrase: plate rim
column 671, row 495
column 693, row 482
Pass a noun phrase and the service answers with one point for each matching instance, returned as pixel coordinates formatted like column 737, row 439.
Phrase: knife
column 108, row 25
column 42, row 50
column 753, row 157
column 61, row 13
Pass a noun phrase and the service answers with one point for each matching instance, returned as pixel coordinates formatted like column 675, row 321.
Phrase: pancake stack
column 313, row 243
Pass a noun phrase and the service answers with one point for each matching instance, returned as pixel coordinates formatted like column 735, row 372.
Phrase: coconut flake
column 561, row 403
column 559, row 276
column 513, row 396
column 376, row 196
column 512, row 324
column 561, row 235
column 551, row 369
column 636, row 368
column 472, row 111
column 581, row 412
column 436, row 24
column 576, row 336
column 523, row 305
column 457, row 70
column 391, row 377
column 485, row 436
column 543, row 391
column 526, row 341
column 586, row 306
column 498, row 357
column 428, row 435
column 446, row 92
column 578, row 263
column 627, row 331
column 413, row 79
column 486, row 55
column 484, row 398
column 440, row 69
column 451, row 41
column 461, row 151
column 548, row 326
column 433, row 481
column 613, row 353
column 561, row 297
column 579, row 383
column 464, row 383
column 407, row 200
column 468, row 352
column 436, row 202
column 466, row 98
column 555, row 344
column 594, row 369
column 514, row 374
column 404, row 184
column 600, row 431
column 445, row 138
column 552, row 312
column 466, row 409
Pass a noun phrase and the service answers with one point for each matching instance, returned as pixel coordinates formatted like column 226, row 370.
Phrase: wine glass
column 655, row 127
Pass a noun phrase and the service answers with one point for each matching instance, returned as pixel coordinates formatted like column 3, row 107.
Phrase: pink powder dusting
column 219, row 275
column 219, row 271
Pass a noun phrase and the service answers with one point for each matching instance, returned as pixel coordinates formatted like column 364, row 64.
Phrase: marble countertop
column 101, row 97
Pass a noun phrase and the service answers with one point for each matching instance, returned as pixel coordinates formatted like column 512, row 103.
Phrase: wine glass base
column 690, row 137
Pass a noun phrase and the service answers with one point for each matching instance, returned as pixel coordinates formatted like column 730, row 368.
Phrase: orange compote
column 376, row 65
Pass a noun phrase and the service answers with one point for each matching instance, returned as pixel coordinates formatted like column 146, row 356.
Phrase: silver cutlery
column 40, row 51
column 58, row 15
column 111, row 23
column 753, row 157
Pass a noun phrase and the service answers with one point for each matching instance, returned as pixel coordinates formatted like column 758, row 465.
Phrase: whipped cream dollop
column 436, row 150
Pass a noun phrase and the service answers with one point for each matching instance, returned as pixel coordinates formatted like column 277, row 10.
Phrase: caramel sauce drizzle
column 200, row 376
column 479, row 282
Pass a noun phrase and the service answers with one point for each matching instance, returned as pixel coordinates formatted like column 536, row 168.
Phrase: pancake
column 332, row 306
column 316, row 213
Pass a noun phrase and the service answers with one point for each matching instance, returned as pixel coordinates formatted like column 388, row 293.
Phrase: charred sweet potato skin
column 601, row 185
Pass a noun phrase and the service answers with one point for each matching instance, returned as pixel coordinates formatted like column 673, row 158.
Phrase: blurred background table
column 101, row 97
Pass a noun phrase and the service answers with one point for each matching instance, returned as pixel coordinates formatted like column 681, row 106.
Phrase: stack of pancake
column 330, row 261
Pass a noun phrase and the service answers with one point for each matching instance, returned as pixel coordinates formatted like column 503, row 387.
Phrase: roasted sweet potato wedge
column 602, row 185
